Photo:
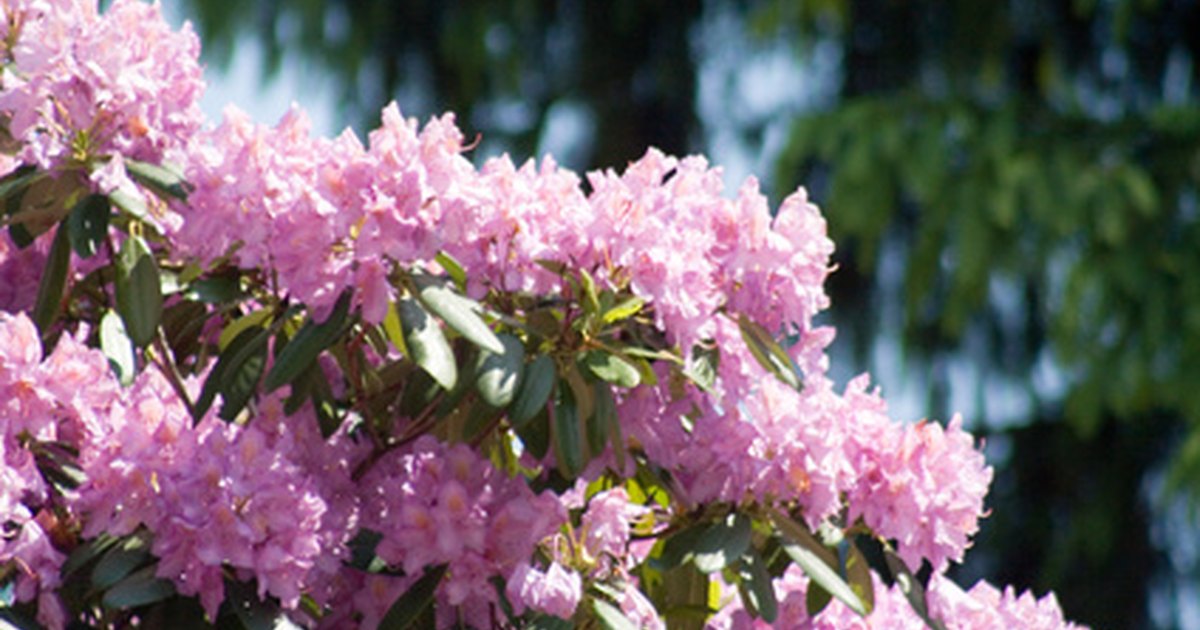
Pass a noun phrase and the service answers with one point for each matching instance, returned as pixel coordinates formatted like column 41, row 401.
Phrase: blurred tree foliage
column 1032, row 167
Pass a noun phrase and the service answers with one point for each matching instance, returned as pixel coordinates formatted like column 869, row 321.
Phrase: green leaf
column 459, row 312
column 679, row 548
column 138, row 291
column 138, row 589
column 535, row 434
column 816, row 599
column 131, row 204
column 393, row 329
column 260, row 318
column 912, row 588
column 409, row 607
column 54, row 281
column 453, row 268
column 85, row 553
column 817, row 561
column 756, row 587
column 701, row 369
column 611, row 616
column 88, row 224
column 566, row 435
column 426, row 343
column 612, row 368
column 591, row 300
column 120, row 561
column 768, row 352
column 498, row 376
column 722, row 543
column 14, row 184
column 252, row 612
column 858, row 574
column 624, row 310
column 536, row 387
column 164, row 181
column 249, row 343
column 600, row 425
column 117, row 347
column 302, row 350
column 548, row 622
column 239, row 381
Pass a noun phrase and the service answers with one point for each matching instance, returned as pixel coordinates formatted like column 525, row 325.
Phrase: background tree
column 1012, row 184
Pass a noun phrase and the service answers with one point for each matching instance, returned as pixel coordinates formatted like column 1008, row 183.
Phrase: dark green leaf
column 858, row 574
column 912, row 588
column 54, row 281
column 117, row 347
column 164, row 181
column 239, row 381
column 722, row 543
column 600, row 425
column 260, row 318
column 408, row 607
column 816, row 561
column 426, row 343
column 756, row 587
column 215, row 290
column 567, row 435
column 120, row 561
column 138, row 291
column 138, row 589
column 535, row 434
column 458, row 311
column 536, row 387
column 549, row 622
column 816, row 599
column 88, row 224
column 612, row 368
column 302, row 350
column 680, row 546
column 611, row 616
column 85, row 553
column 498, row 376
column 250, row 343
column 252, row 612
column 768, row 352
column 13, row 185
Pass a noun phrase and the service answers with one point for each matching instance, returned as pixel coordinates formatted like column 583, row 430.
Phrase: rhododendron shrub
column 247, row 374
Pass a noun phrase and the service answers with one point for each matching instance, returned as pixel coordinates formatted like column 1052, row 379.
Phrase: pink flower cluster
column 984, row 607
column 438, row 504
column 83, row 84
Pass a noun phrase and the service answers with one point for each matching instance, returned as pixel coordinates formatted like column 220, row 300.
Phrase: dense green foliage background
column 1012, row 185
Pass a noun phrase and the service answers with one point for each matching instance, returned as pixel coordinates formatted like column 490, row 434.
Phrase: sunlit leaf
column 453, row 268
column 458, row 311
column 612, row 368
column 756, row 587
column 722, row 543
column 138, row 291
column 117, row 347
column 498, row 376
column 260, row 318
column 428, row 346
column 163, row 180
column 768, row 352
column 611, row 616
column 817, row 561
column 624, row 310
column 303, row 348
column 858, row 574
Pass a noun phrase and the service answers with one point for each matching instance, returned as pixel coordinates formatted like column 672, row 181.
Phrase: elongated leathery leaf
column 612, row 368
column 410, row 606
column 117, row 347
column 611, row 616
column 138, row 291
column 756, row 587
column 54, row 280
column 458, row 311
column 426, row 344
column 302, row 350
column 139, row 589
column 816, row 560
column 88, row 224
column 498, row 375
column 538, row 384
column 722, row 543
column 768, row 352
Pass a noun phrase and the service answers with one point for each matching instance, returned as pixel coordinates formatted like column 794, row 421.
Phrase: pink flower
column 556, row 591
